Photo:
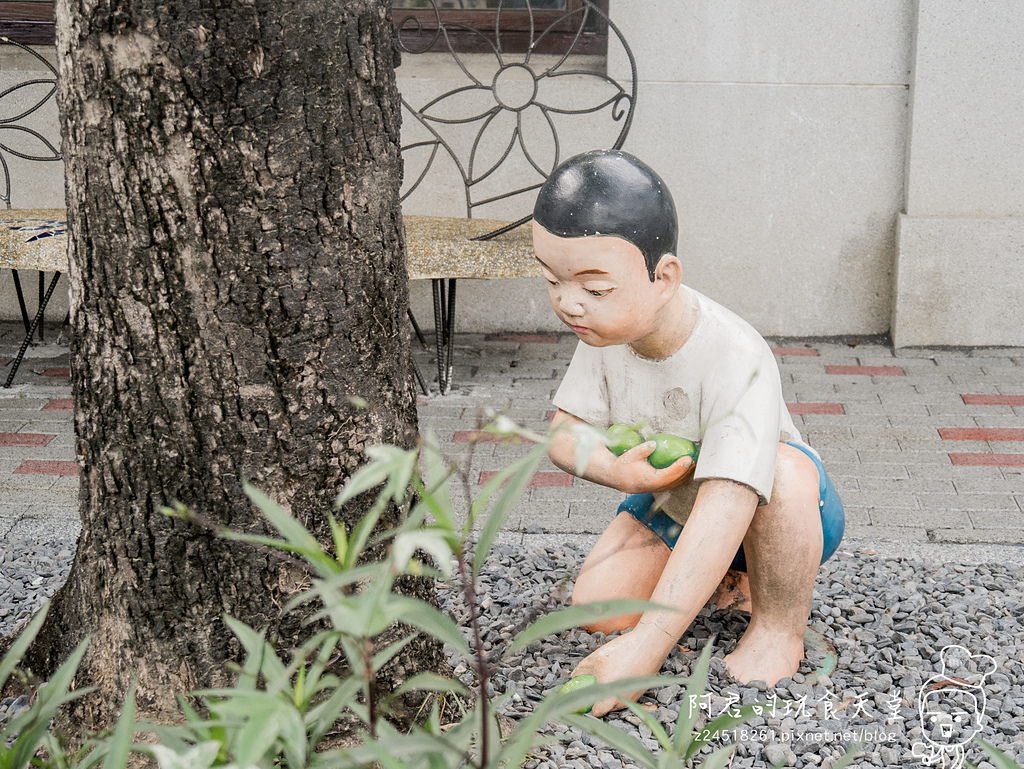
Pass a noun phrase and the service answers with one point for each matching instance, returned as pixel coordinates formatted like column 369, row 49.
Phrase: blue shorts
column 833, row 520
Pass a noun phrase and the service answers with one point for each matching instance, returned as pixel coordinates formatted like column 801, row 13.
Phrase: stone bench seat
column 34, row 239
column 443, row 247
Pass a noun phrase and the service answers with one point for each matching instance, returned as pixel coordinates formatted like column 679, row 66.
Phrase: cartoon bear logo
column 952, row 705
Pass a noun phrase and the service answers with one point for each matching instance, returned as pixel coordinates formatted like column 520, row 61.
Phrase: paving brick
column 864, row 370
column 56, row 371
column 996, row 460
column 905, row 516
column 982, row 434
column 993, row 399
column 966, row 501
column 46, row 467
column 25, row 439
column 1010, row 518
column 815, row 408
column 795, row 351
column 881, row 499
column 556, row 478
column 59, row 404
column 890, row 532
column 973, row 536
column 937, row 486
column 880, row 470
column 523, row 338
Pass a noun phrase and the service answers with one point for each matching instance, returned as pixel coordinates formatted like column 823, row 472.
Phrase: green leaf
column 613, row 737
column 435, row 541
column 482, row 499
column 689, row 708
column 719, row 758
column 507, row 498
column 384, row 656
column 293, row 531
column 372, row 474
column 417, row 613
column 657, row 730
column 588, row 438
column 724, row 722
column 999, row 758
column 575, row 616
column 431, row 682
column 21, row 644
column 120, row 743
column 340, row 537
column 435, row 492
column 852, row 752
column 199, row 756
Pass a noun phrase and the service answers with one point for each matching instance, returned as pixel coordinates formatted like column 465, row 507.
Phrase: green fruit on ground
column 578, row 683
column 670, row 448
column 621, row 438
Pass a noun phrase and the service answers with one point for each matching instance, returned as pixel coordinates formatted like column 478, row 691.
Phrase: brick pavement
column 924, row 446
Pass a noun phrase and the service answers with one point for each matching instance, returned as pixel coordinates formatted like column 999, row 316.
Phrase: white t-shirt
column 721, row 389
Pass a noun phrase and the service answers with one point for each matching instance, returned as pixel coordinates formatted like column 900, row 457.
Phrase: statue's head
column 610, row 192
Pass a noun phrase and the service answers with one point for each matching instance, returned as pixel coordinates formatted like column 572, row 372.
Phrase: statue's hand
column 632, row 654
column 635, row 475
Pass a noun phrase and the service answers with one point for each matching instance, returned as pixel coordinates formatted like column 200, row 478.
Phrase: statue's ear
column 669, row 272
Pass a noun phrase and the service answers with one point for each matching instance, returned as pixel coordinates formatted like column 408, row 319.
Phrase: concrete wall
column 961, row 244
column 780, row 129
column 811, row 148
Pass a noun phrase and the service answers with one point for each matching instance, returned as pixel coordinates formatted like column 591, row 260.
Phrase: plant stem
column 371, row 686
column 469, row 592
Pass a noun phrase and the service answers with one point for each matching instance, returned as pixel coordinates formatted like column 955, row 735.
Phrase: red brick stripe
column 982, row 433
column 47, row 467
column 25, row 439
column 4, row 361
column 993, row 400
column 866, row 370
column 539, row 479
column 806, row 351
column 992, row 460
column 530, row 338
column 59, row 404
column 815, row 408
column 57, row 371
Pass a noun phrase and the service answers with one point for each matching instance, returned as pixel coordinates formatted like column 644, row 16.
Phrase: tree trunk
column 237, row 276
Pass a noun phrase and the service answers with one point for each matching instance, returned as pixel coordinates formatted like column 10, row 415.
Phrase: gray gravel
column 887, row 619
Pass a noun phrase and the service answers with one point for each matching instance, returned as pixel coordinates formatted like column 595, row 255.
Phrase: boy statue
column 657, row 353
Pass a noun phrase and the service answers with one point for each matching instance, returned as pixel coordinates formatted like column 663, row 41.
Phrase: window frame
column 33, row 23
column 421, row 29
column 28, row 23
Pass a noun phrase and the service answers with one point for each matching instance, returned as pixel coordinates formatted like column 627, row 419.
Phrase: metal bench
column 30, row 239
column 488, row 144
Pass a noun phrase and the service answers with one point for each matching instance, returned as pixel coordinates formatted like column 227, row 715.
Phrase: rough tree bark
column 237, row 274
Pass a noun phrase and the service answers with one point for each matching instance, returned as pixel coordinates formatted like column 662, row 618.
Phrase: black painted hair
column 610, row 192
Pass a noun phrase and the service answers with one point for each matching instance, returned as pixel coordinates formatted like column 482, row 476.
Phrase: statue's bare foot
column 765, row 656
column 733, row 592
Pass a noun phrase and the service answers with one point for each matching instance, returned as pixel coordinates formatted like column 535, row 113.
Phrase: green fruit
column 578, row 683
column 621, row 438
column 671, row 448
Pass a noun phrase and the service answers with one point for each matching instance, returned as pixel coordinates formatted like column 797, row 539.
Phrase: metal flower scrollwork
column 510, row 105
column 16, row 138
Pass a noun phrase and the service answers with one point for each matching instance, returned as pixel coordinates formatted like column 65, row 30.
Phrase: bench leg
column 32, row 330
column 21, row 300
column 42, row 326
column 417, row 329
column 444, row 329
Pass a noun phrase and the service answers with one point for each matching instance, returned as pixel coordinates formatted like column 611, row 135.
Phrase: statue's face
column 599, row 287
